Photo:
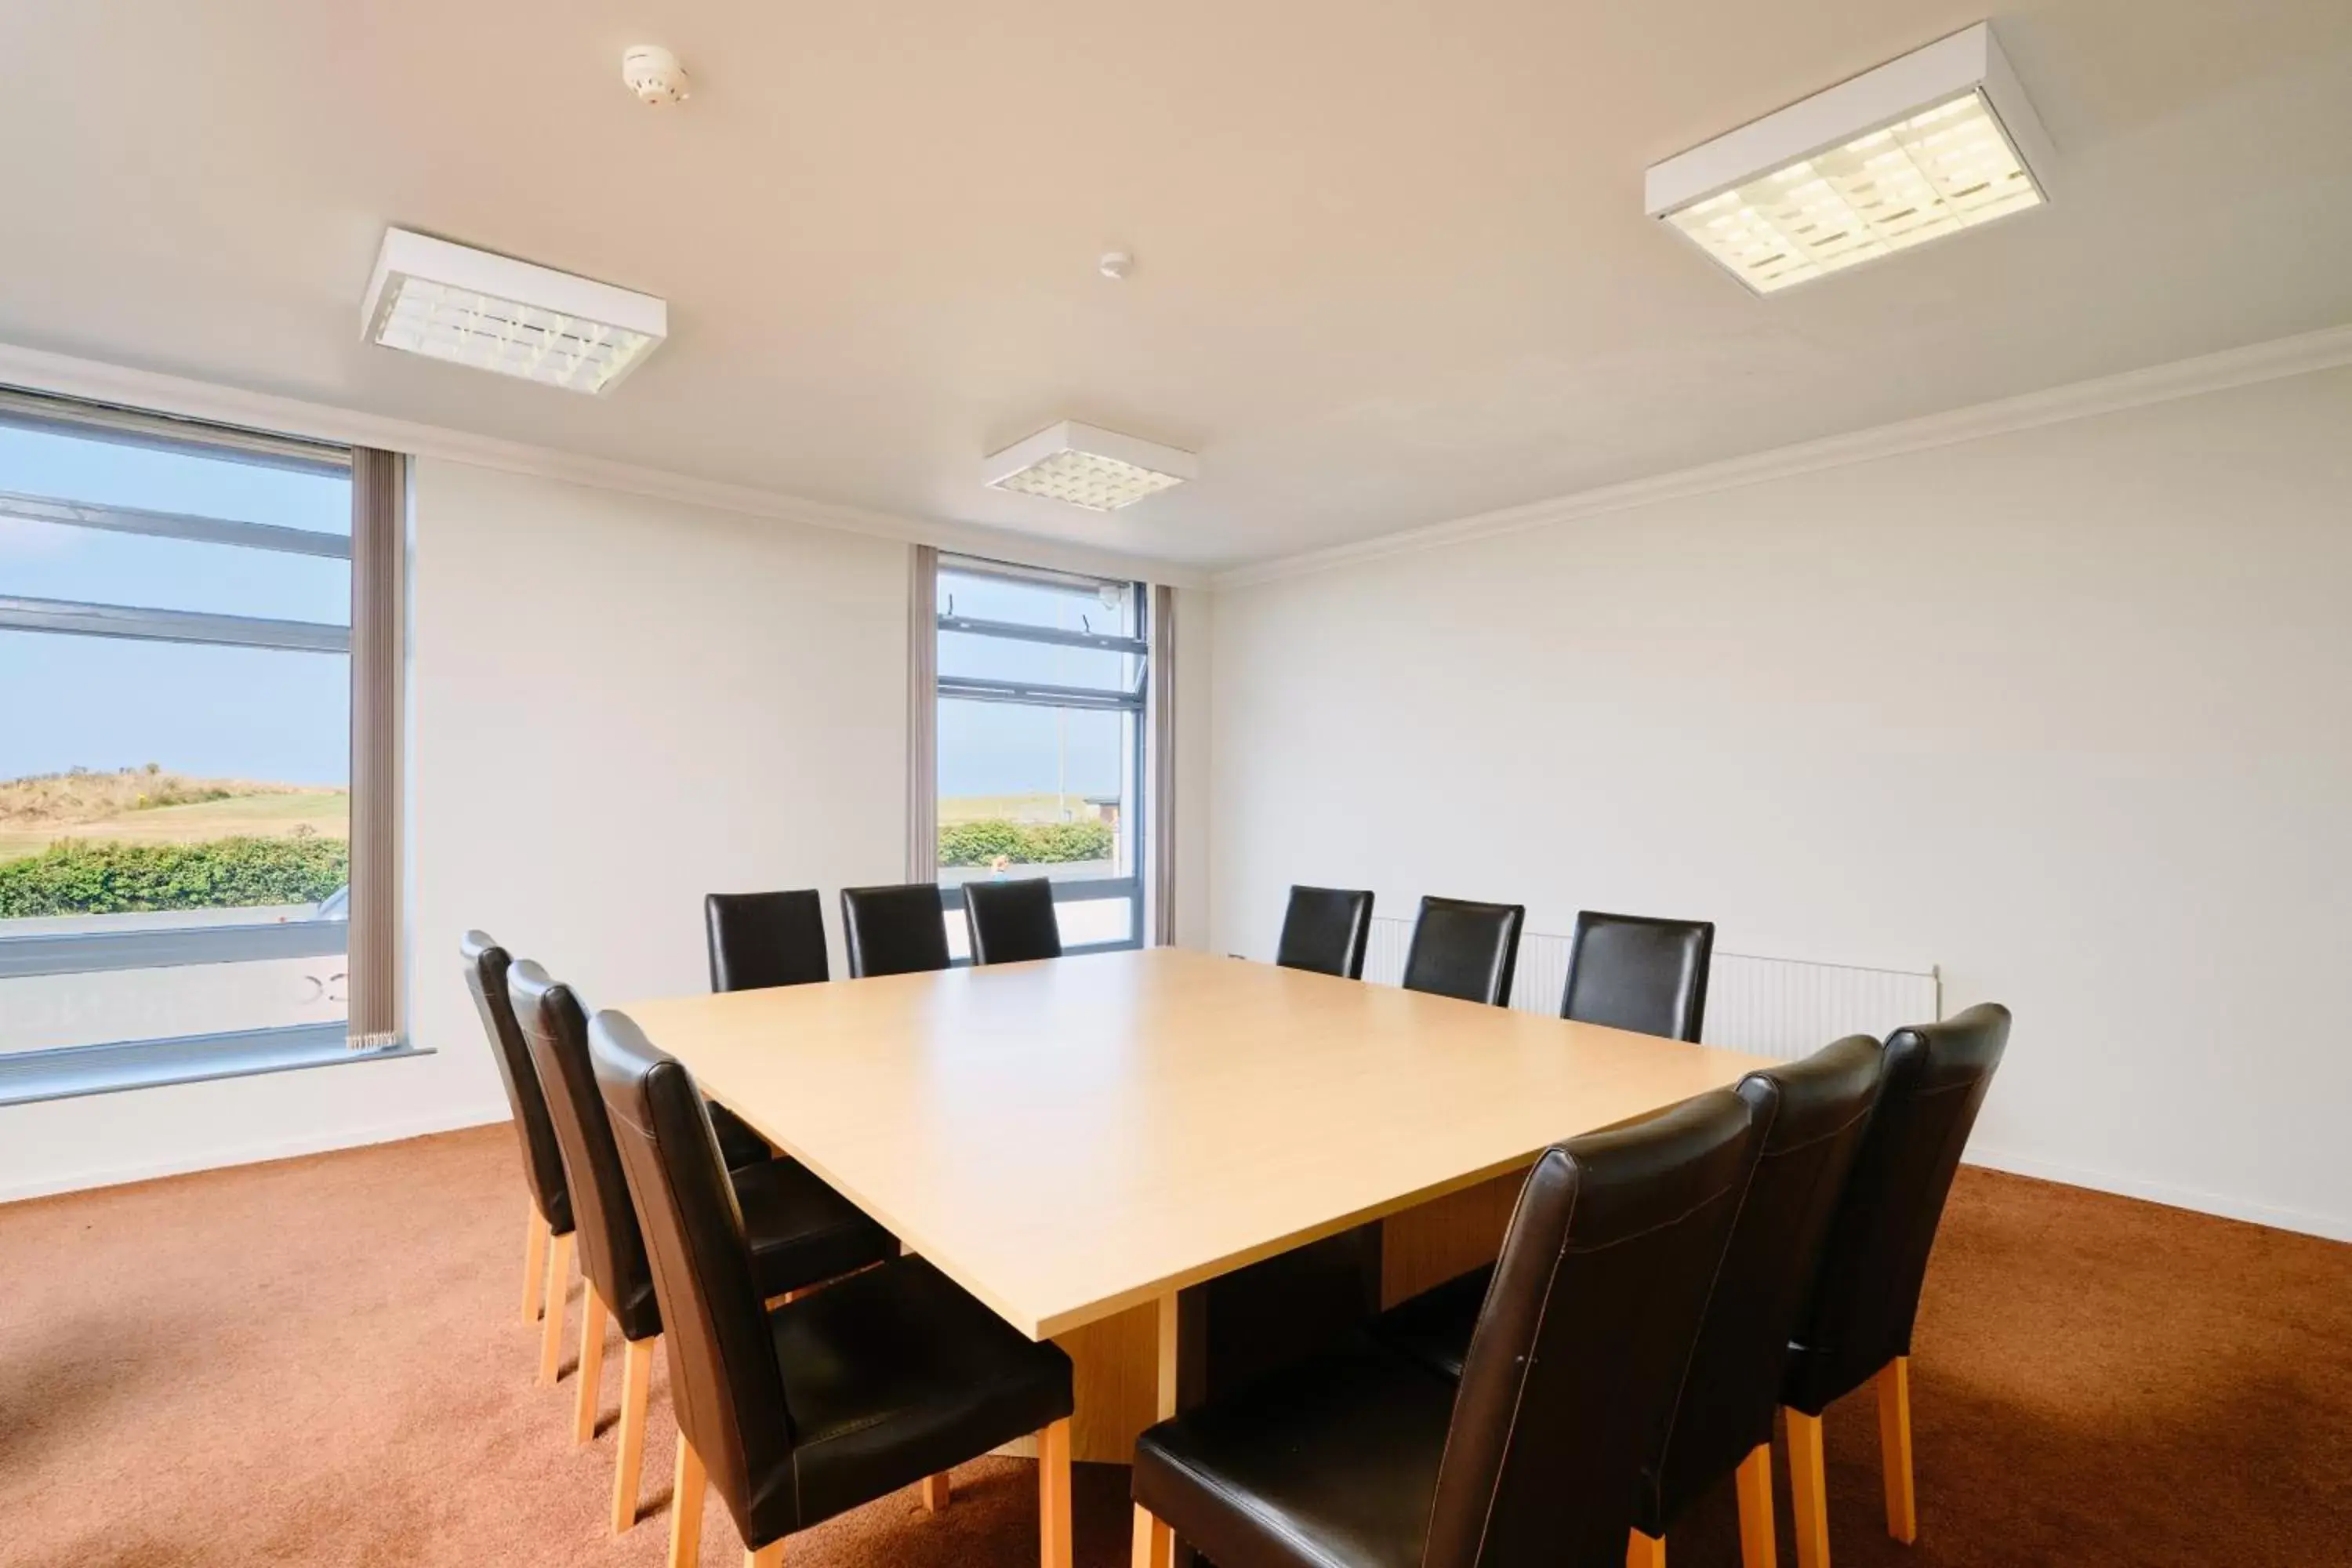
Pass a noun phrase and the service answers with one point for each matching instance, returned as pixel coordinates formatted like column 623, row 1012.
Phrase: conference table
column 1147, row 1155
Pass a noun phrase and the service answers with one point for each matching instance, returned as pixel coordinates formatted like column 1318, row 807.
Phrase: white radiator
column 1785, row 1007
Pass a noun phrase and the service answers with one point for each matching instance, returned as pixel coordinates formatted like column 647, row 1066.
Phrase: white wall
column 616, row 705
column 2066, row 711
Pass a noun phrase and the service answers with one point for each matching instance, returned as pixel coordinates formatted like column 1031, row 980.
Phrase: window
column 1040, row 743
column 174, row 766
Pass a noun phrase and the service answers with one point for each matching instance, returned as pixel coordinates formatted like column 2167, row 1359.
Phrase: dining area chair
column 1365, row 1457
column 1857, row 1325
column 548, row 1226
column 797, row 1413
column 1325, row 930
column 799, row 1232
column 760, row 940
column 1012, row 922
column 894, row 930
column 1639, row 972
column 1464, row 949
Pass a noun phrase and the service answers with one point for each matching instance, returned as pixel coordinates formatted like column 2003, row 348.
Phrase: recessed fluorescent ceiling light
column 1940, row 141
column 449, row 302
column 1101, row 471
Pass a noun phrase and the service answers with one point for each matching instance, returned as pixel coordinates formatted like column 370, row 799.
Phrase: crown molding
column 2324, row 350
column 65, row 375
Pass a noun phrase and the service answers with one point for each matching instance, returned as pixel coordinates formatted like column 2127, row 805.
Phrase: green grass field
column 1035, row 808
column 37, row 812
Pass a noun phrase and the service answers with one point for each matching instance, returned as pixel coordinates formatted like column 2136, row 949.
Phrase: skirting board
column 2329, row 1227
column 449, row 1118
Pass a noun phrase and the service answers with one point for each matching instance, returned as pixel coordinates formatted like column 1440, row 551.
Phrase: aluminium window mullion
column 73, row 618
column 1048, row 637
column 1038, row 694
column 173, row 525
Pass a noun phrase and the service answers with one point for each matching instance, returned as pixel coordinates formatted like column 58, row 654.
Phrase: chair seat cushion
column 801, row 1232
column 1434, row 1327
column 897, row 1374
column 738, row 1144
column 1329, row 1463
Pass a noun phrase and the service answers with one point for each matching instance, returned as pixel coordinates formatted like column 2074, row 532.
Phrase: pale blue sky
column 104, row 703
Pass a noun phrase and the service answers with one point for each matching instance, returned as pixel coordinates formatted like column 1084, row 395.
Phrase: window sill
column 68, row 1072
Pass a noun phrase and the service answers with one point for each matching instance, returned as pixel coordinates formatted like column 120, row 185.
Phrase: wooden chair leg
column 771, row 1555
column 936, row 1490
column 1756, row 1544
column 636, row 1376
column 534, row 1264
column 686, row 1507
column 1644, row 1551
column 1054, row 1495
column 559, row 1285
column 1155, row 1543
column 590, row 1393
column 1894, row 1449
column 1809, row 1497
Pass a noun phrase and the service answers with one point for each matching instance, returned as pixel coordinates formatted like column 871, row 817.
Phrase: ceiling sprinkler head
column 1115, row 265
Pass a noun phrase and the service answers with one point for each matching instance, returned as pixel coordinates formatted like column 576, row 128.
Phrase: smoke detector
column 653, row 74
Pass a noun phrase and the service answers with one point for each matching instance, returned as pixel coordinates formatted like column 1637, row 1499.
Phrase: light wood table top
column 1070, row 1137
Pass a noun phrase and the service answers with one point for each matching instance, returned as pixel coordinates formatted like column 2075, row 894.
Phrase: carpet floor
column 320, row 1362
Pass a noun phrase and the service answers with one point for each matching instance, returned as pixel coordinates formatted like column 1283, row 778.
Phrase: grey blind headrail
column 379, row 518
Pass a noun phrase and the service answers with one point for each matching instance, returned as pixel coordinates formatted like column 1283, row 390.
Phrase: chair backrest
column 1866, row 1293
column 543, row 1160
column 1464, row 949
column 893, row 931
column 1011, row 922
column 1814, row 1113
column 1587, row 1325
column 1631, row 972
column 1325, row 930
column 759, row 939
column 612, row 1249
column 725, row 1383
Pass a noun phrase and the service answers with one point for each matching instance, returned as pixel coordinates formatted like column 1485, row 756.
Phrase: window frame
column 1081, row 699
column 65, row 1071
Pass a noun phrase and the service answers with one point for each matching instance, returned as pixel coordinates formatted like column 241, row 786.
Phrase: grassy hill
column 151, row 805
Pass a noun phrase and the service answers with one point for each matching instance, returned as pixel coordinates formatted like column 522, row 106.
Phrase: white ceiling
column 1392, row 266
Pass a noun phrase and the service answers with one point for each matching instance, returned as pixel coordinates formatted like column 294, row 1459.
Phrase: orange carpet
column 321, row 1362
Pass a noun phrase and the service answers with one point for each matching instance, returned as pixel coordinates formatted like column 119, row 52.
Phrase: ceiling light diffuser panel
column 492, row 312
column 1100, row 470
column 1937, row 142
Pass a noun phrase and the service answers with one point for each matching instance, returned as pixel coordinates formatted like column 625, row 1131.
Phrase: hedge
column 1024, row 843
column 76, row 876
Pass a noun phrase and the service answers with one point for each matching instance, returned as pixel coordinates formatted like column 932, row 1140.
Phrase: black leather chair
column 1813, row 1113
column 1857, row 1326
column 758, row 939
column 1325, row 929
column 802, row 1412
column 1362, row 1458
column 801, row 1232
column 547, row 1236
column 1011, row 922
column 1464, row 949
column 1632, row 971
column 893, row 931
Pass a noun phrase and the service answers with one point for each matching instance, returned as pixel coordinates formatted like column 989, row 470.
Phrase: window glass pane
column 147, row 785
column 47, row 1011
column 55, row 561
column 1087, row 921
column 1005, row 659
column 1040, row 788
column 1105, row 607
column 118, row 473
